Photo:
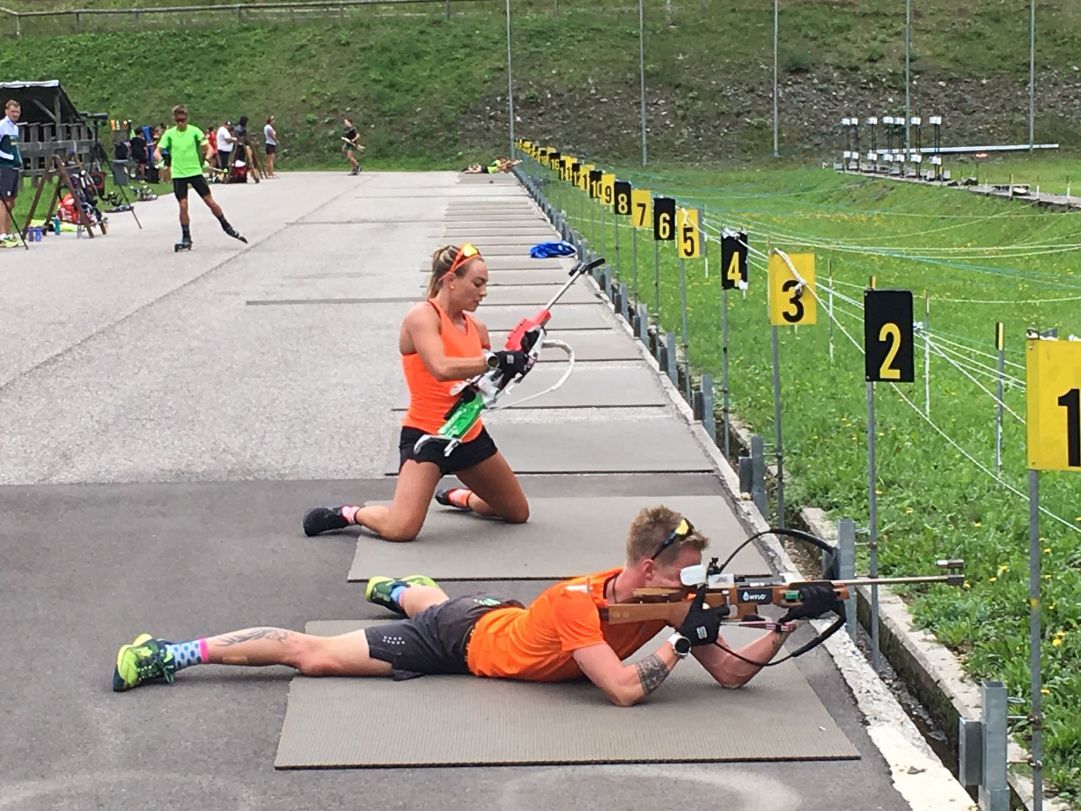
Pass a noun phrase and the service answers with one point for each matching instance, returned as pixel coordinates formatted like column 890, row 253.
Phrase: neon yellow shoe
column 145, row 659
column 379, row 589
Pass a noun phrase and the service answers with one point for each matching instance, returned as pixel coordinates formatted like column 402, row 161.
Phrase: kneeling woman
column 441, row 344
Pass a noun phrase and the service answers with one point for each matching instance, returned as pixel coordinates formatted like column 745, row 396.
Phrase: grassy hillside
column 433, row 92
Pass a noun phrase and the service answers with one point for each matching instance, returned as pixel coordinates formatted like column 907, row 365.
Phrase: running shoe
column 447, row 497
column 145, row 659
column 323, row 519
column 379, row 589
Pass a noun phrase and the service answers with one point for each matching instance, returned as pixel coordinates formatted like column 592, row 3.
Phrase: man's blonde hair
column 649, row 529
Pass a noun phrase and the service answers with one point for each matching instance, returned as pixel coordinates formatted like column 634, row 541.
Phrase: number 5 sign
column 1053, row 394
column 689, row 245
column 887, row 336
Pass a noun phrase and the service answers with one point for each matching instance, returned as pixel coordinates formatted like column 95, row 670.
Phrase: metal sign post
column 888, row 357
column 1000, row 346
column 734, row 274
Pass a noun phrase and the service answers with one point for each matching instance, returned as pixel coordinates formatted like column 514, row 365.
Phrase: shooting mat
column 468, row 721
column 564, row 537
column 537, row 295
column 565, row 317
column 612, row 445
column 596, row 387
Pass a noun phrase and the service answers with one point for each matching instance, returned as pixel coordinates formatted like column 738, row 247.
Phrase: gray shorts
column 433, row 641
column 9, row 182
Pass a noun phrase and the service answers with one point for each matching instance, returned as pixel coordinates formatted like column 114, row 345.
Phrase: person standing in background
column 351, row 146
column 11, row 164
column 225, row 145
column 270, row 135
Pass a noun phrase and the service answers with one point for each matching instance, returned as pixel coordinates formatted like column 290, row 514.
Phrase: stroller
column 238, row 172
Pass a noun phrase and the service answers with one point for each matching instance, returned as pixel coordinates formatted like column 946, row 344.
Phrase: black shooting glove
column 512, row 363
column 702, row 625
column 816, row 599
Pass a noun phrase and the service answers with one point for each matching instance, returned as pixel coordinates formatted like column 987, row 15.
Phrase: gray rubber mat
column 589, row 345
column 564, row 537
column 537, row 295
column 564, row 317
column 469, row 721
column 592, row 387
column 523, row 262
column 643, row 445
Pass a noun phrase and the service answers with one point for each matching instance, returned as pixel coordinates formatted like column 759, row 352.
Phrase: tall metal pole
column 510, row 82
column 872, row 522
column 908, row 76
column 683, row 328
column 927, row 354
column 1031, row 73
column 1035, row 635
column 642, row 73
column 776, row 38
column 724, row 367
column 777, row 434
column 1000, row 346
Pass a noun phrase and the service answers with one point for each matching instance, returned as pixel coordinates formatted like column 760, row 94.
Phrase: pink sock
column 459, row 497
column 350, row 514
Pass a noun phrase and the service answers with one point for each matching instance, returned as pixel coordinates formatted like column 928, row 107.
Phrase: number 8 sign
column 887, row 336
column 1053, row 395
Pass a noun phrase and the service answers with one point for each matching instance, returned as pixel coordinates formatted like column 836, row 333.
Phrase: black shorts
column 465, row 456
column 9, row 182
column 433, row 641
column 197, row 183
column 271, row 149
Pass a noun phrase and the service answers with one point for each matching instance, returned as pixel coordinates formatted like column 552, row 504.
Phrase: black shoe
column 323, row 519
column 443, row 497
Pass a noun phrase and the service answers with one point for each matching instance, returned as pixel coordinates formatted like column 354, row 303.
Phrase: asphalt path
column 160, row 438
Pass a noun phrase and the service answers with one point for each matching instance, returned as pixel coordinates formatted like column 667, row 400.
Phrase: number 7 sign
column 1053, row 399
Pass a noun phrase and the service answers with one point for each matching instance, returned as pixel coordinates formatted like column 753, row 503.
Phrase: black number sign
column 887, row 336
column 733, row 261
column 664, row 219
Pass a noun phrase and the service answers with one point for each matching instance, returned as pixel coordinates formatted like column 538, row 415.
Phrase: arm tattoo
column 652, row 672
column 274, row 634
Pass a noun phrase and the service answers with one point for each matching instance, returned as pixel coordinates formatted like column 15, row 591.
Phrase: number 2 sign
column 887, row 336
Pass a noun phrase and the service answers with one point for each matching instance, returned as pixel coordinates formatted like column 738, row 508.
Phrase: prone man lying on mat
column 561, row 635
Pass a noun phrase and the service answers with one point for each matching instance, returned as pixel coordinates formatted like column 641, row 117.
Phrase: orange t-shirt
column 537, row 643
column 430, row 399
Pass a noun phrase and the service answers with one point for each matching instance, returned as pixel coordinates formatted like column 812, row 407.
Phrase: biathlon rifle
column 744, row 595
column 482, row 391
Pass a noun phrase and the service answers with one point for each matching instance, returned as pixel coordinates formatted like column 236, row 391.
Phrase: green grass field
column 961, row 250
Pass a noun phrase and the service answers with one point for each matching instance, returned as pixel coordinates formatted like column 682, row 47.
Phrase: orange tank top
column 430, row 399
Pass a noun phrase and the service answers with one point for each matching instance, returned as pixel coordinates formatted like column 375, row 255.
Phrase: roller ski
column 183, row 245
column 227, row 228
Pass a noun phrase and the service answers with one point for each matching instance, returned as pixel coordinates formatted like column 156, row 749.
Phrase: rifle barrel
column 576, row 271
column 949, row 579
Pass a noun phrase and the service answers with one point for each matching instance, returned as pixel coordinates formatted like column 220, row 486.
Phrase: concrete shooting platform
column 165, row 421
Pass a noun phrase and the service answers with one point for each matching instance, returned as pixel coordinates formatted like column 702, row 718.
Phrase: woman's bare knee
column 517, row 513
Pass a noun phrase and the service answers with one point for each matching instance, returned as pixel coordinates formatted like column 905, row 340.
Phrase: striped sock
column 186, row 654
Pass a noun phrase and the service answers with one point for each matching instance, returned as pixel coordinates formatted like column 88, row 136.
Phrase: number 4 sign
column 1053, row 394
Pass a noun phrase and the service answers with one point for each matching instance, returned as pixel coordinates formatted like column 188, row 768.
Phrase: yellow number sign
column 1053, row 399
column 583, row 176
column 641, row 208
column 688, row 237
column 608, row 188
column 792, row 303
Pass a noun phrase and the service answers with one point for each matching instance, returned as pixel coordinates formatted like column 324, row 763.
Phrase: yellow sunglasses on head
column 683, row 530
column 465, row 253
